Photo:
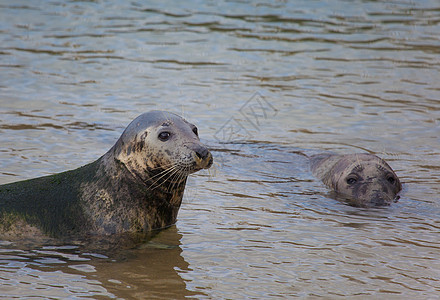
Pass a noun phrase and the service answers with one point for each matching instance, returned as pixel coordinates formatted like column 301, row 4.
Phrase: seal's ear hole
column 196, row 131
column 351, row 179
column 164, row 136
column 391, row 179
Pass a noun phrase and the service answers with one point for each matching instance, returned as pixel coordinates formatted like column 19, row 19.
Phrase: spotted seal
column 363, row 179
column 137, row 186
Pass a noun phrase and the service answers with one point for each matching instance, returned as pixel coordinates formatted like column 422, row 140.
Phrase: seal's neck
column 162, row 180
column 135, row 204
column 165, row 184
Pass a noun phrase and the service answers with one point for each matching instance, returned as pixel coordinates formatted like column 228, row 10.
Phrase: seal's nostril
column 201, row 152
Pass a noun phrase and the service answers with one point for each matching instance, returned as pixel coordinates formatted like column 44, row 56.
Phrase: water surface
column 265, row 82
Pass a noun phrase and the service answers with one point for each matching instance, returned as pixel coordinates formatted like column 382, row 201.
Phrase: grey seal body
column 363, row 179
column 136, row 187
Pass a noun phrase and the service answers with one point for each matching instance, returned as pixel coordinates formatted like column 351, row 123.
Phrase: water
column 342, row 76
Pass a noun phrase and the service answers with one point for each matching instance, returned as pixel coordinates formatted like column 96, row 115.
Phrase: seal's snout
column 379, row 198
column 202, row 157
column 378, row 201
column 202, row 152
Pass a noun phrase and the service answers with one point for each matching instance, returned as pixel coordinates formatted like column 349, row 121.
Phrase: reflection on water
column 65, row 271
column 288, row 79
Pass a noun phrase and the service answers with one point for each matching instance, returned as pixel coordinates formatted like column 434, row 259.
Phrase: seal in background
column 363, row 179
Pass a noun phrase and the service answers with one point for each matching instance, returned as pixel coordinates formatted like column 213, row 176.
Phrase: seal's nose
column 378, row 202
column 379, row 199
column 202, row 152
column 202, row 157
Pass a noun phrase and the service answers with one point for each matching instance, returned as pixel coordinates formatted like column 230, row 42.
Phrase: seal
column 136, row 187
column 365, row 180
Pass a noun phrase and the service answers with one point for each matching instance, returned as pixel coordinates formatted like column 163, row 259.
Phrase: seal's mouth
column 379, row 202
column 382, row 199
column 376, row 200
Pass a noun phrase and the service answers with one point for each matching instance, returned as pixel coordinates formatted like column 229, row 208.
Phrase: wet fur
column 136, row 187
column 375, row 184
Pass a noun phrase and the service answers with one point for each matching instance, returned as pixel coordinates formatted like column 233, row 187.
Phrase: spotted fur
column 137, row 186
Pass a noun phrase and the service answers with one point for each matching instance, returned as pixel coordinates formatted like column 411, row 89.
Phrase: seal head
column 364, row 179
column 159, row 146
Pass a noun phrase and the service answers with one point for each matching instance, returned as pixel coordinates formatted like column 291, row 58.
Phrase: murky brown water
column 283, row 77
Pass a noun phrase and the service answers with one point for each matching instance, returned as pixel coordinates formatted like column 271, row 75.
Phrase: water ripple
column 343, row 77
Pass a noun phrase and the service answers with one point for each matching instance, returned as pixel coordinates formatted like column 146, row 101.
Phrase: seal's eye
column 164, row 136
column 351, row 180
column 391, row 179
column 196, row 132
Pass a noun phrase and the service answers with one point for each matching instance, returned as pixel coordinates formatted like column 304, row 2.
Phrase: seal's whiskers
column 171, row 170
column 178, row 176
